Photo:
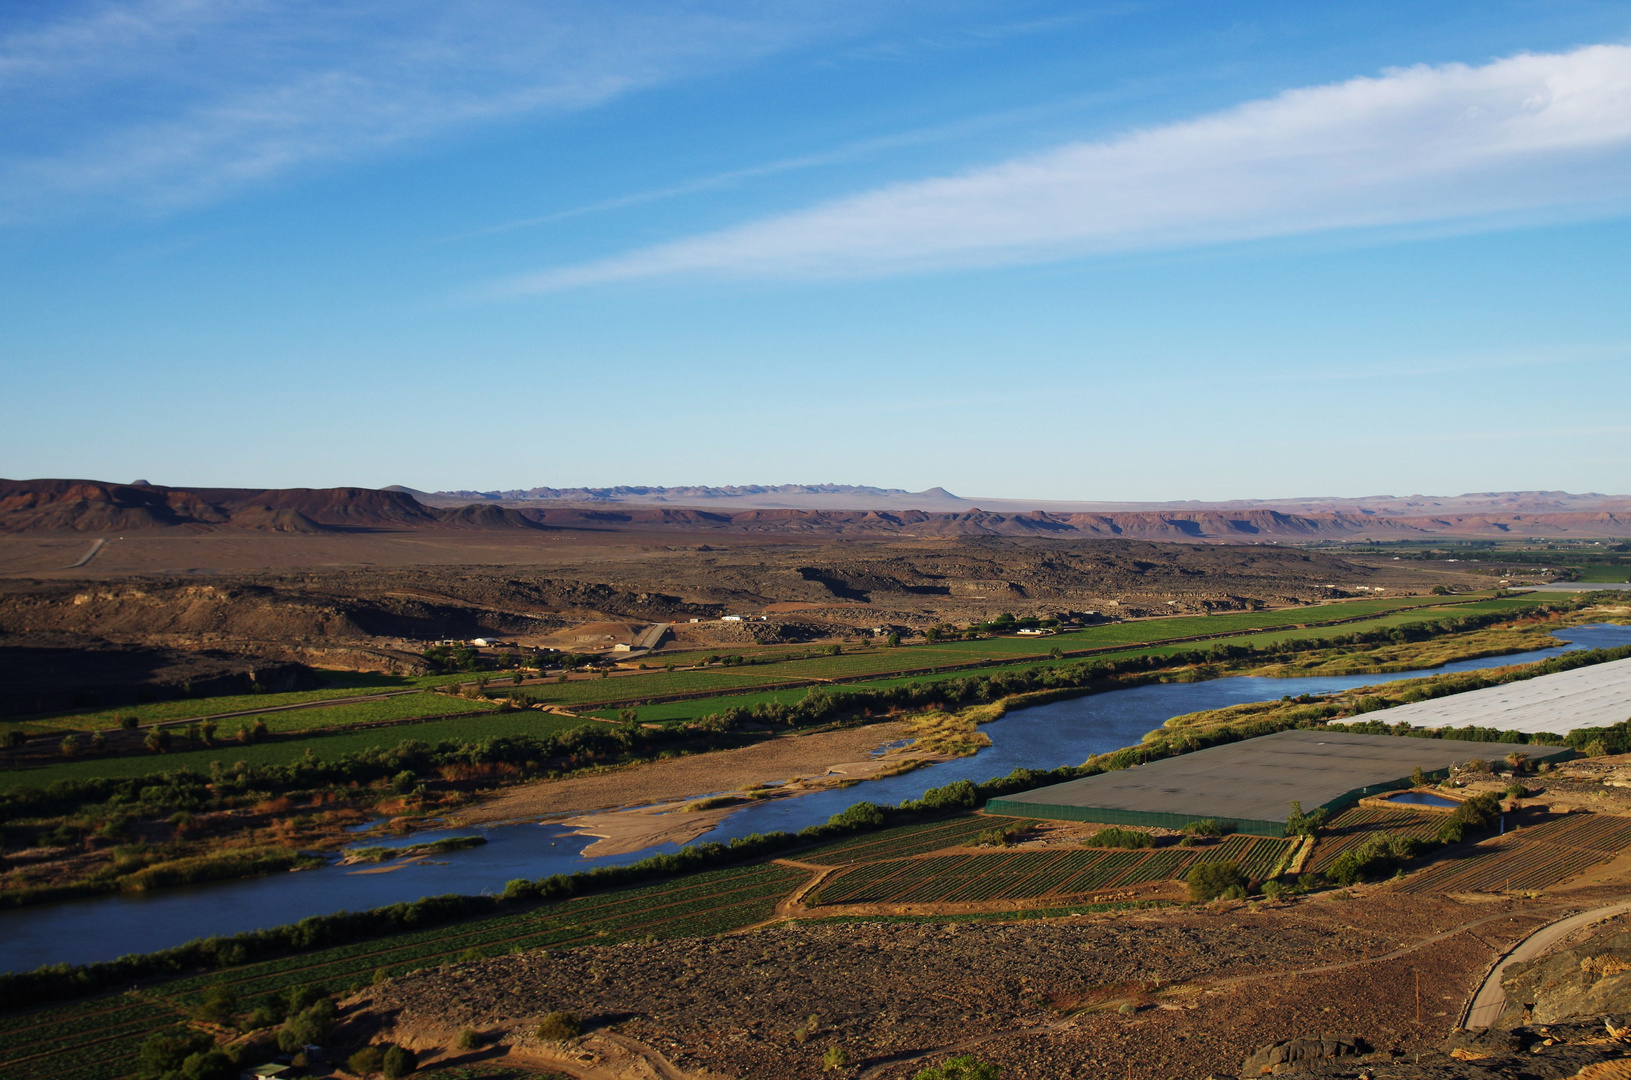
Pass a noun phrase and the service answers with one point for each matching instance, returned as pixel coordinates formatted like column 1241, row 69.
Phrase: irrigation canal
column 1044, row 737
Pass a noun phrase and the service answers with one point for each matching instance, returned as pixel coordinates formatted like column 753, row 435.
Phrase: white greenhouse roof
column 1595, row 696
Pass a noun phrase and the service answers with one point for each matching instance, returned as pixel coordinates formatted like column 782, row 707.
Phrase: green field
column 327, row 747
column 1601, row 573
column 882, row 662
column 338, row 684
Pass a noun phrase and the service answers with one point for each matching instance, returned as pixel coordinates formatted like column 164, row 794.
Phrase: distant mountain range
column 863, row 497
column 91, row 506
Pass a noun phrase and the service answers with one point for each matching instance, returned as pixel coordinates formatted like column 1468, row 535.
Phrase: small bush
column 1204, row 827
column 961, row 1067
column 836, row 1057
column 1121, row 838
column 468, row 1039
column 1516, row 790
column 1208, row 881
column 397, row 1062
column 558, row 1027
column 366, row 1062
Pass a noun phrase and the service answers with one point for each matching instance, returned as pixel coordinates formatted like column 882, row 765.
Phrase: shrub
column 468, row 1039
column 1516, row 790
column 128, row 723
column 1204, row 827
column 1121, row 838
column 366, row 1062
column 70, row 745
column 1208, row 881
column 1377, row 857
column 558, row 1027
column 398, row 1061
column 961, row 1067
column 836, row 1057
column 1273, row 889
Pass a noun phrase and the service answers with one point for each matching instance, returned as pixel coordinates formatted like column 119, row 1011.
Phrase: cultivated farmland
column 1528, row 859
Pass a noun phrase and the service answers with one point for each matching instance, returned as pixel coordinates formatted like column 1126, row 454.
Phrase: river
column 1043, row 737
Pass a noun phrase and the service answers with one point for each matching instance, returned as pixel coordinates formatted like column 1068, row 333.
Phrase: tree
column 219, row 1006
column 70, row 745
column 961, row 1067
column 892, row 640
column 165, row 1051
column 1301, row 824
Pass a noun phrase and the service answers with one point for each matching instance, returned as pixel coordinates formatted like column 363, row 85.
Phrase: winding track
column 1490, row 1001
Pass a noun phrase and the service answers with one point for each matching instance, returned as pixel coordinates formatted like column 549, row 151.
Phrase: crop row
column 1353, row 827
column 583, row 918
column 907, row 839
column 1257, row 856
column 1600, row 832
column 1006, row 876
column 1531, row 859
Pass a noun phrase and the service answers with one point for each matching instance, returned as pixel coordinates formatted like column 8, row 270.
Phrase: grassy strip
column 231, row 864
column 475, row 728
column 338, row 684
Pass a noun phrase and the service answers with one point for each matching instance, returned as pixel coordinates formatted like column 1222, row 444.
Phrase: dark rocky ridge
column 98, row 507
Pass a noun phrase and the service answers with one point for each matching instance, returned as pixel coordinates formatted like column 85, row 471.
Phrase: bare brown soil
column 770, row 762
column 1149, row 994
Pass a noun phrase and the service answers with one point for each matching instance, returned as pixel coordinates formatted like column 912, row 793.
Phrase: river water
column 1043, row 737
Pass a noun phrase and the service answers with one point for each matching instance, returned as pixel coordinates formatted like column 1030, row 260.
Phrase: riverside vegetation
column 79, row 831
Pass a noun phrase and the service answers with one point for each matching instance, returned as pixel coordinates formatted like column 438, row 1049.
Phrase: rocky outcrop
column 1591, row 980
column 1288, row 1054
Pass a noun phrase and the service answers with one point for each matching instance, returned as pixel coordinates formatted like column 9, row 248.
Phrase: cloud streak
column 158, row 104
column 1420, row 145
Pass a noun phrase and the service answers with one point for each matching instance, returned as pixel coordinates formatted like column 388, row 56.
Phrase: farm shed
column 1253, row 782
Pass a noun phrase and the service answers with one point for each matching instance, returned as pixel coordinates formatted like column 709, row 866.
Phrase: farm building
column 1253, row 782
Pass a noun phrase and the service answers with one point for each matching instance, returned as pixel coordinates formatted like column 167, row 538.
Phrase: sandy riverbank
column 811, row 759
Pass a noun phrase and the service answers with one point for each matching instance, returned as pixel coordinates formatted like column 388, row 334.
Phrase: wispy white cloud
column 1411, row 146
column 163, row 103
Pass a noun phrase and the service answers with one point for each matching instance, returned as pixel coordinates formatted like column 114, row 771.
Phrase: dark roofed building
column 1253, row 782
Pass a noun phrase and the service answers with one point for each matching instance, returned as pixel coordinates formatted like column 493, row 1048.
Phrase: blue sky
column 1113, row 251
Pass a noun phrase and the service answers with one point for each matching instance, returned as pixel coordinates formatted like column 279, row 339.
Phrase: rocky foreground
column 1153, row 994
